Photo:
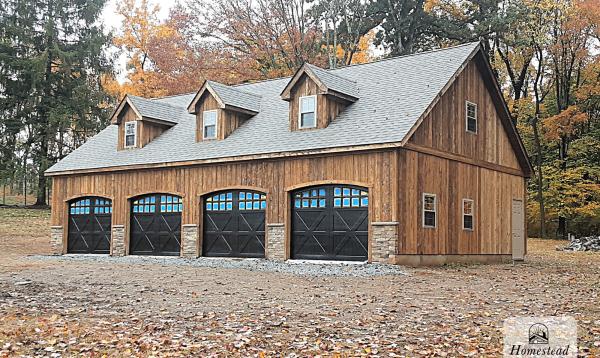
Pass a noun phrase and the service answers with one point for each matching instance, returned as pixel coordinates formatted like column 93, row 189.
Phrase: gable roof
column 394, row 99
column 228, row 97
column 327, row 81
column 150, row 109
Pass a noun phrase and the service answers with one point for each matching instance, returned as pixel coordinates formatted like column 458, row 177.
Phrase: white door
column 518, row 230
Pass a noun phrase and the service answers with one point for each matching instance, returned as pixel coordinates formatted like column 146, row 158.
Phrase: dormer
column 220, row 109
column 141, row 120
column 317, row 96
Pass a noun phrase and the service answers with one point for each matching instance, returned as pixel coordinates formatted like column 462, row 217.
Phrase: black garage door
column 234, row 224
column 89, row 226
column 330, row 223
column 156, row 225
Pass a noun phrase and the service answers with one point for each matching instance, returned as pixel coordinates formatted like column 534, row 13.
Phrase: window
column 350, row 197
column 209, row 122
column 163, row 203
column 429, row 210
column 467, row 211
column 471, row 114
column 102, row 206
column 308, row 112
column 80, row 207
column 252, row 201
column 220, row 202
column 311, row 198
column 130, row 134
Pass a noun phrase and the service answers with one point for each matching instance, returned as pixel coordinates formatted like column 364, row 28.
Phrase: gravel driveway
column 90, row 306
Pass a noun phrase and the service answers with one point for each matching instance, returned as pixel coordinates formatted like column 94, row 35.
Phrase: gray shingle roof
column 161, row 110
column 236, row 97
column 394, row 93
column 335, row 82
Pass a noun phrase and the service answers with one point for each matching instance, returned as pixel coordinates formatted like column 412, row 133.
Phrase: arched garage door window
column 89, row 226
column 234, row 224
column 156, row 225
column 330, row 222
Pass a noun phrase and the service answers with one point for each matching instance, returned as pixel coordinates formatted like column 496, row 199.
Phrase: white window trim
column 300, row 112
column 467, row 103
column 135, row 133
column 462, row 209
column 216, row 124
column 434, row 210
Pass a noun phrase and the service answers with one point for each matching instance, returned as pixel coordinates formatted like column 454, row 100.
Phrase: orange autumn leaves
column 175, row 55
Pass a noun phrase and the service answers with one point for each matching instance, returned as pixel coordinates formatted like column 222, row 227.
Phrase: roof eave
column 114, row 118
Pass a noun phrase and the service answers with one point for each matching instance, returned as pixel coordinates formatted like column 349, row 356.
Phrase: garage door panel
column 311, row 246
column 351, row 219
column 89, row 230
column 350, row 246
column 234, row 224
column 312, row 220
column 249, row 244
column 330, row 223
column 156, row 225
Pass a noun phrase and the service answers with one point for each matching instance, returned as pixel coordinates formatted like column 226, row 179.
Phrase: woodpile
column 588, row 243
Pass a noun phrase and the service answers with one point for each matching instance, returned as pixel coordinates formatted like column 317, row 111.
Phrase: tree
column 141, row 28
column 49, row 82
column 275, row 37
column 346, row 25
column 405, row 25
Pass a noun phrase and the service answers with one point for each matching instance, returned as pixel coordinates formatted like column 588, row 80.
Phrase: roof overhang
column 114, row 118
column 206, row 87
column 305, row 69
column 493, row 87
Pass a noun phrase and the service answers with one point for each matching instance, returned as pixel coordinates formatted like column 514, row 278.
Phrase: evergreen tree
column 51, row 62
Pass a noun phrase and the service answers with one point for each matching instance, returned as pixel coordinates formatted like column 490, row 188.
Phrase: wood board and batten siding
column 227, row 120
column 276, row 178
column 444, row 159
column 146, row 129
column 327, row 106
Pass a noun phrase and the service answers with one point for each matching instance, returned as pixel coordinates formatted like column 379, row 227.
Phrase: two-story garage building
column 409, row 160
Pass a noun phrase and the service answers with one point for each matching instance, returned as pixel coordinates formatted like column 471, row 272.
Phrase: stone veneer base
column 275, row 242
column 56, row 239
column 189, row 235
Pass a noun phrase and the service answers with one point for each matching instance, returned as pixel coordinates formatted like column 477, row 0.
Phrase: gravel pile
column 300, row 268
column 588, row 243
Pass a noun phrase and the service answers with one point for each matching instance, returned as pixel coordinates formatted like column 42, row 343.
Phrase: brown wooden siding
column 375, row 170
column 127, row 115
column 444, row 127
column 451, row 181
column 227, row 120
column 146, row 129
column 327, row 106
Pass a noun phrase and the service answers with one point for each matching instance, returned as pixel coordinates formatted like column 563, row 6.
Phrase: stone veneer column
column 56, row 240
column 276, row 242
column 118, row 240
column 385, row 237
column 190, row 240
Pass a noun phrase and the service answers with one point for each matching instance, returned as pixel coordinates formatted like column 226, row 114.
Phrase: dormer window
column 471, row 114
column 209, row 120
column 130, row 134
column 308, row 112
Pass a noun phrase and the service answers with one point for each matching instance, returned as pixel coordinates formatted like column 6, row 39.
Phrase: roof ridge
column 232, row 87
column 405, row 55
column 329, row 71
column 155, row 102
column 324, row 69
column 365, row 63
column 171, row 95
